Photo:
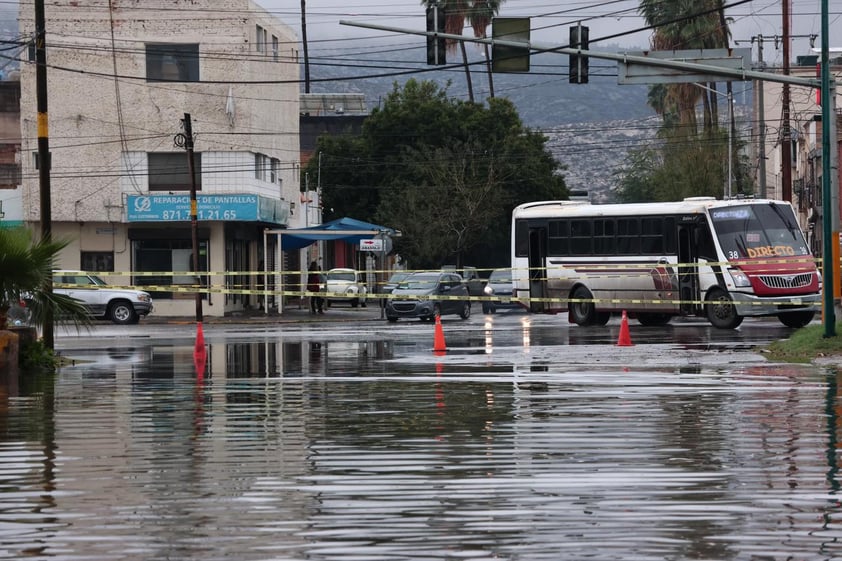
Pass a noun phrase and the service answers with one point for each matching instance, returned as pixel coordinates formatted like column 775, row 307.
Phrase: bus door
column 537, row 269
column 688, row 270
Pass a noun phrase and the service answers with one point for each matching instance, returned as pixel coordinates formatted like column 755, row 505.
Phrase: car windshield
column 419, row 281
column 397, row 277
column 500, row 276
column 340, row 276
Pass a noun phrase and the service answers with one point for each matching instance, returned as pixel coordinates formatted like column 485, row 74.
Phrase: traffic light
column 435, row 45
column 579, row 63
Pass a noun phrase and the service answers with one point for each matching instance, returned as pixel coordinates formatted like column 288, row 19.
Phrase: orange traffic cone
column 200, row 353
column 624, row 340
column 438, row 340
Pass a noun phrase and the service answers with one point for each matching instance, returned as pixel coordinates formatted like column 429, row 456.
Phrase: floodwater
column 528, row 440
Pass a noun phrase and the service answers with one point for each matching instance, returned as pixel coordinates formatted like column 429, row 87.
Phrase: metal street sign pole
column 742, row 73
column 830, row 206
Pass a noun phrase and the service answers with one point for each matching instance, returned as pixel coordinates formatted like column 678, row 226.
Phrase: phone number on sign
column 201, row 215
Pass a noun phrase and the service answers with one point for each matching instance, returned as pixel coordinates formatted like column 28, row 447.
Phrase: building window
column 275, row 52
column 260, row 39
column 261, row 167
column 168, row 171
column 172, row 63
column 169, row 256
column 100, row 261
column 274, row 174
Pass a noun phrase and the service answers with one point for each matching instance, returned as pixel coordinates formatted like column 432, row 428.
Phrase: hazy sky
column 613, row 19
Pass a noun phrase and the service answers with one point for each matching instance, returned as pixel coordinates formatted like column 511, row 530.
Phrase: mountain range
column 590, row 127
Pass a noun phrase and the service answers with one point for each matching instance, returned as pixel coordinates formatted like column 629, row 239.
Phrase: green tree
column 445, row 172
column 26, row 268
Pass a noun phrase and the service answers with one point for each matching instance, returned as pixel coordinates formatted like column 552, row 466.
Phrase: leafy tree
column 26, row 269
column 445, row 172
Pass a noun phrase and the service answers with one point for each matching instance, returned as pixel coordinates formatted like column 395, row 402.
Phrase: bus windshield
column 758, row 231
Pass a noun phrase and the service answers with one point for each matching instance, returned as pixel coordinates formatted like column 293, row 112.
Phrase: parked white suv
column 120, row 305
column 345, row 285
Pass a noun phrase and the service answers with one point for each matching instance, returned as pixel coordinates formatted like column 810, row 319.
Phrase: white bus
column 723, row 260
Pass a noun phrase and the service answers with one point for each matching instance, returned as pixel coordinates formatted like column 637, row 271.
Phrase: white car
column 120, row 305
column 345, row 285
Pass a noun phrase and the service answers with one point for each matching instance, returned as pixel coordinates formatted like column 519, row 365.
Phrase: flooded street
column 529, row 439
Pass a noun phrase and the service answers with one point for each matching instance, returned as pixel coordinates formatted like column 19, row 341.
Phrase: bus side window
column 581, row 237
column 704, row 243
column 521, row 238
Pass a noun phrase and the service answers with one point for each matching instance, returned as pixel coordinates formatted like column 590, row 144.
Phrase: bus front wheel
column 582, row 310
column 796, row 319
column 721, row 311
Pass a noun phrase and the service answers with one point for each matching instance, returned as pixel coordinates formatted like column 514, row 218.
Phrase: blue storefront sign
column 233, row 207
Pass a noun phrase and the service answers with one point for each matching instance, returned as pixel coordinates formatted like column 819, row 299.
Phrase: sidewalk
column 292, row 314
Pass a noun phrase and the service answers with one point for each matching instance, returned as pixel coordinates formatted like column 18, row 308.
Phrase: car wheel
column 392, row 319
column 796, row 319
column 465, row 313
column 721, row 311
column 122, row 312
column 584, row 312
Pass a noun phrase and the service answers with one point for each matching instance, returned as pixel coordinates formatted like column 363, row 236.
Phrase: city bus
column 723, row 260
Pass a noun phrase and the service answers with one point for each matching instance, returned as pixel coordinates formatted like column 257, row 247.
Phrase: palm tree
column 478, row 14
column 26, row 269
column 688, row 24
column 480, row 17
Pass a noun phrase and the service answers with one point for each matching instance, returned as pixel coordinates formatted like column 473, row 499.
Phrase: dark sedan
column 427, row 295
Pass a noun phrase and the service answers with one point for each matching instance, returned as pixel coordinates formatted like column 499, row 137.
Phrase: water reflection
column 378, row 450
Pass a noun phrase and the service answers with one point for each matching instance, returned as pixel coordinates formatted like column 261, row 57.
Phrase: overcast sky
column 615, row 20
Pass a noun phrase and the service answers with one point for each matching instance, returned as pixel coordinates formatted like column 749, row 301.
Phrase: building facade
column 123, row 81
column 10, row 199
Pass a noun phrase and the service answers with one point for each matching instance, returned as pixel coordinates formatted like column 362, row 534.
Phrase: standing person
column 314, row 281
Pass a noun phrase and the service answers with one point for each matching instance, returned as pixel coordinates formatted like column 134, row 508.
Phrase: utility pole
column 786, row 133
column 185, row 140
column 304, row 46
column 830, row 199
column 43, row 153
column 761, row 104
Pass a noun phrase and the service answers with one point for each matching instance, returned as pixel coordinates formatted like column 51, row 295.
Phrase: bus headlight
column 740, row 278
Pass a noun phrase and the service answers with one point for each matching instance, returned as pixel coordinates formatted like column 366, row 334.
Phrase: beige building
column 122, row 79
column 803, row 111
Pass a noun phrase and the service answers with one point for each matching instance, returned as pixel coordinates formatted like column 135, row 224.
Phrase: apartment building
column 10, row 200
column 768, row 130
column 123, row 79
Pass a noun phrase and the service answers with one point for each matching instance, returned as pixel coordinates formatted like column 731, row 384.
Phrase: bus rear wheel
column 796, row 319
column 721, row 311
column 582, row 311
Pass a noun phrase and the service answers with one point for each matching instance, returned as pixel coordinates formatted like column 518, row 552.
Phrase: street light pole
column 730, row 97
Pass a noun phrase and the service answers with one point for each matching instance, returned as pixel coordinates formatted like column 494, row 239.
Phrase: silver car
column 499, row 289
column 120, row 305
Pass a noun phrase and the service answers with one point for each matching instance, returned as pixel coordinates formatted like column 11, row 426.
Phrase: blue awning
column 346, row 229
